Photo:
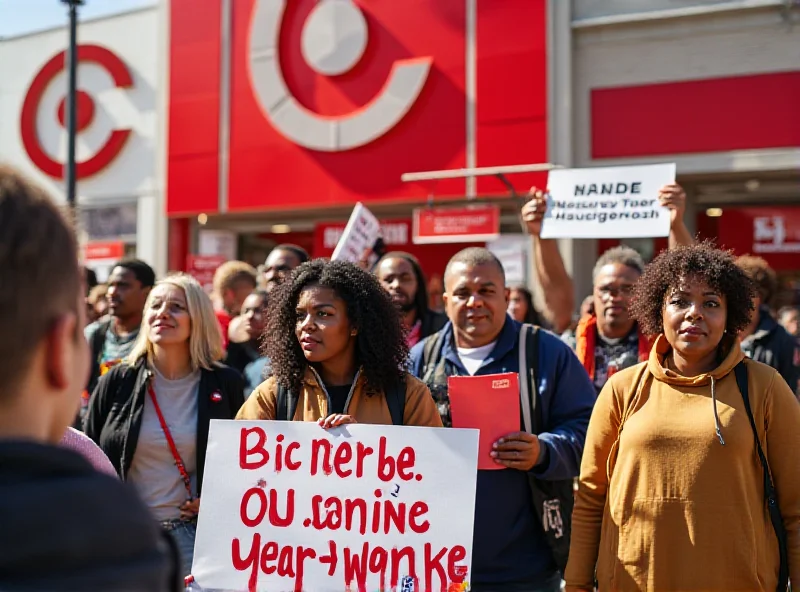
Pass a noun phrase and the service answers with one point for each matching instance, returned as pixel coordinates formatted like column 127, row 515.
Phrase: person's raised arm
column 673, row 197
column 559, row 297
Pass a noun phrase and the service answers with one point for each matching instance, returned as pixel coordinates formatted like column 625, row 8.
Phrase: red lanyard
column 187, row 482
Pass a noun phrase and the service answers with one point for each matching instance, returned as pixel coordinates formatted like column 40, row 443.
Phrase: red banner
column 396, row 235
column 104, row 250
column 456, row 225
column 202, row 268
column 769, row 232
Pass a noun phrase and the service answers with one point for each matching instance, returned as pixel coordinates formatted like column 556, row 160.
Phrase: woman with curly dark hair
column 673, row 494
column 338, row 353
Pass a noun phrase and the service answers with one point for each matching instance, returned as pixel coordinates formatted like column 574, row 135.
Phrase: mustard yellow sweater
column 665, row 506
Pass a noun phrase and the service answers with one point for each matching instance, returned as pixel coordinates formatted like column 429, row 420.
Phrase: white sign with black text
column 360, row 235
column 608, row 202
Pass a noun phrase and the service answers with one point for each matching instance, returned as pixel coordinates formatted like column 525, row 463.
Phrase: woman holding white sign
column 689, row 477
column 151, row 414
column 338, row 354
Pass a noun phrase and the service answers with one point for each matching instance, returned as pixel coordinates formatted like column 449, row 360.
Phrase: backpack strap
column 285, row 404
column 431, row 352
column 396, row 401
column 99, row 340
column 96, row 345
column 528, row 378
column 769, row 488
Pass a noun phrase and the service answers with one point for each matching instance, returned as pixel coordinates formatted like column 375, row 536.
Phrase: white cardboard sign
column 360, row 234
column 289, row 506
column 609, row 202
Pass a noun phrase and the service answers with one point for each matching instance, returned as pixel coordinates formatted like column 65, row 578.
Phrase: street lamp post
column 72, row 101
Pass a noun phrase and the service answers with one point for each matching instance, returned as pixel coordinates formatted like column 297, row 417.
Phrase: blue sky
column 25, row 16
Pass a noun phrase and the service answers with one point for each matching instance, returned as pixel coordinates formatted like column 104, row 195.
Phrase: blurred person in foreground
column 338, row 354
column 763, row 339
column 65, row 526
column 401, row 275
column 151, row 413
column 672, row 489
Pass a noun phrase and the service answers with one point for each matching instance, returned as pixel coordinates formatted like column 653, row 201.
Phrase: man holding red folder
column 518, row 547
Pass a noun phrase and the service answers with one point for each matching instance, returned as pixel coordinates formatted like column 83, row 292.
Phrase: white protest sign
column 288, row 506
column 610, row 202
column 360, row 234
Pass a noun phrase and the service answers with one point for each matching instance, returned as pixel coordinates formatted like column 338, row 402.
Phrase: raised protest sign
column 360, row 235
column 610, row 202
column 289, row 506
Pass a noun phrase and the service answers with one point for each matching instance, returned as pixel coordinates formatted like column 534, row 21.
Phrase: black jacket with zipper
column 114, row 417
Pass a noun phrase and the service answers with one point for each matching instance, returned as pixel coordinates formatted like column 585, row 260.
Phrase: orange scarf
column 586, row 336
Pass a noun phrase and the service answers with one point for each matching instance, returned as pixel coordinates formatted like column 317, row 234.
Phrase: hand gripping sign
column 122, row 78
column 334, row 40
column 289, row 506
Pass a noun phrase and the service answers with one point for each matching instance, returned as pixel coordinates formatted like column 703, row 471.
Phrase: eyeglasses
column 610, row 292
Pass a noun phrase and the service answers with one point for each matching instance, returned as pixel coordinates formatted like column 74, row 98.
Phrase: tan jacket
column 312, row 403
column 662, row 504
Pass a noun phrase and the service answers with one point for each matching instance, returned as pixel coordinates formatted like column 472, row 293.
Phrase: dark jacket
column 115, row 410
column 510, row 551
column 68, row 527
column 239, row 355
column 432, row 322
column 96, row 344
column 772, row 345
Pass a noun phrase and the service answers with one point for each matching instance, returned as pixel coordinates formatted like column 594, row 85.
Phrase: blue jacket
column 509, row 546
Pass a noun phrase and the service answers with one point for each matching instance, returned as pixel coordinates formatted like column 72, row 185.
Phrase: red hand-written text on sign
column 441, row 565
column 253, row 453
column 322, row 451
column 334, row 513
column 255, row 496
column 290, row 561
column 328, row 458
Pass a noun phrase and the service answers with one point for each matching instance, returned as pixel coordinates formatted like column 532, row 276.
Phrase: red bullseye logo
column 86, row 108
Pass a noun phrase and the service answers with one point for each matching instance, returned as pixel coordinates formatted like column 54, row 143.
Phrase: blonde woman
column 150, row 414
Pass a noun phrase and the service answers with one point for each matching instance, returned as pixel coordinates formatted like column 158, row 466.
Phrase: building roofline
column 81, row 22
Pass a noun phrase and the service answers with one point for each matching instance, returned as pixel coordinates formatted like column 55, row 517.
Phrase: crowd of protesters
column 670, row 401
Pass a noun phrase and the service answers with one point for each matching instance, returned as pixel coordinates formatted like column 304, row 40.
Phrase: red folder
column 488, row 403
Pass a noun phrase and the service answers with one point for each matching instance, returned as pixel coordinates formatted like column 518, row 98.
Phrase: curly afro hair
column 702, row 261
column 381, row 348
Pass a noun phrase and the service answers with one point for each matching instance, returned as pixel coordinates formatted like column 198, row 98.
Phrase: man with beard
column 401, row 275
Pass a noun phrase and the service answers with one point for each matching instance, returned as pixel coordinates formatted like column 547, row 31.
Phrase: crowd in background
column 670, row 398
